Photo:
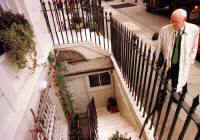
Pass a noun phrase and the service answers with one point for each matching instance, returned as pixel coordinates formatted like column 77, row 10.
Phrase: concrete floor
column 109, row 123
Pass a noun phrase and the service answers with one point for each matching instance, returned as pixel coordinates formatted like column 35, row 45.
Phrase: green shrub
column 93, row 27
column 118, row 136
column 16, row 37
column 51, row 58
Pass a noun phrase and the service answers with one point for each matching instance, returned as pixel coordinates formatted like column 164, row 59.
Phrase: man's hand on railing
column 169, row 74
column 160, row 61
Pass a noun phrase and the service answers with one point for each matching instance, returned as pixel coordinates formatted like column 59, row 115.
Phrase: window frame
column 100, row 86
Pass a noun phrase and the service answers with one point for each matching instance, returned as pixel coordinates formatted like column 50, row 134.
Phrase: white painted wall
column 18, row 92
column 78, row 90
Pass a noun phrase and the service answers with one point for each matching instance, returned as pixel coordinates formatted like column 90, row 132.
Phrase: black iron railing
column 75, row 21
column 92, row 120
column 148, row 84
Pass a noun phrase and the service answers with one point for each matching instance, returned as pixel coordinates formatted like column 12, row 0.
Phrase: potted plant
column 118, row 136
column 93, row 27
column 76, row 21
column 112, row 105
column 16, row 38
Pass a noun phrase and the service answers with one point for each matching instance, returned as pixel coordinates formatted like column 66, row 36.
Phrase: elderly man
column 178, row 43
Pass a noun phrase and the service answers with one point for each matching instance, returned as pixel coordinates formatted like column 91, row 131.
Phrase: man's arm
column 193, row 52
column 160, row 57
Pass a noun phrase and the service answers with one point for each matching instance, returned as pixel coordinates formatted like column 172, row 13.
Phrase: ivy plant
column 60, row 81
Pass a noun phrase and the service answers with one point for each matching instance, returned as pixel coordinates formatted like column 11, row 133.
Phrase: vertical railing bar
column 124, row 51
column 117, row 44
column 130, row 56
column 54, row 9
column 62, row 11
column 133, row 64
column 126, row 55
column 109, row 34
column 166, row 116
column 98, row 25
column 79, row 24
column 53, row 22
column 102, row 12
column 83, row 18
column 44, row 10
column 161, row 94
column 113, row 51
column 69, row 24
column 195, row 103
column 74, row 9
column 153, row 93
column 93, row 21
column 116, row 47
column 138, row 70
column 128, row 64
column 121, row 47
column 79, row 14
column 197, row 137
column 58, row 20
column 178, row 109
column 142, row 56
column 90, row 21
column 149, row 82
column 107, row 30
column 142, row 73
column 146, row 71
column 135, row 68
column 59, row 11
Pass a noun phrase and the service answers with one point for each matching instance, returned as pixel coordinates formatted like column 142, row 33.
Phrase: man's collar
column 183, row 29
column 186, row 31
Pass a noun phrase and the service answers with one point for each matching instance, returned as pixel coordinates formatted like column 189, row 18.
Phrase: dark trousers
column 174, row 77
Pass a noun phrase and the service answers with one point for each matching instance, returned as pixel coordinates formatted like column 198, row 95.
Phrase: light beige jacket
column 189, row 45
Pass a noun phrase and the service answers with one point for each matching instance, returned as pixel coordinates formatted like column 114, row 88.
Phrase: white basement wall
column 82, row 92
column 101, row 93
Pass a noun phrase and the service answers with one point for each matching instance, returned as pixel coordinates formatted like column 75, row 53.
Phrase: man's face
column 177, row 21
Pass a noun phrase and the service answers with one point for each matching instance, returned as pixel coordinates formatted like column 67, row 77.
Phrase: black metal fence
column 75, row 21
column 92, row 120
column 172, row 117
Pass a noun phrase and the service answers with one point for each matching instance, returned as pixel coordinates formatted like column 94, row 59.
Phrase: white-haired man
column 178, row 43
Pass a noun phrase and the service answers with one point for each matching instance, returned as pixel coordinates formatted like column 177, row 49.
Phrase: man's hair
column 181, row 12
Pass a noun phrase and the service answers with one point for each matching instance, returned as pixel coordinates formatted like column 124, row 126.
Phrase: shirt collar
column 183, row 29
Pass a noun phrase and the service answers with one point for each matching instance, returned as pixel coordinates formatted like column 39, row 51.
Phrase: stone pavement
column 109, row 123
column 145, row 24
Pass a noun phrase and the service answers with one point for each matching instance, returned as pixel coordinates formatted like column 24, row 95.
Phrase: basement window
column 100, row 79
